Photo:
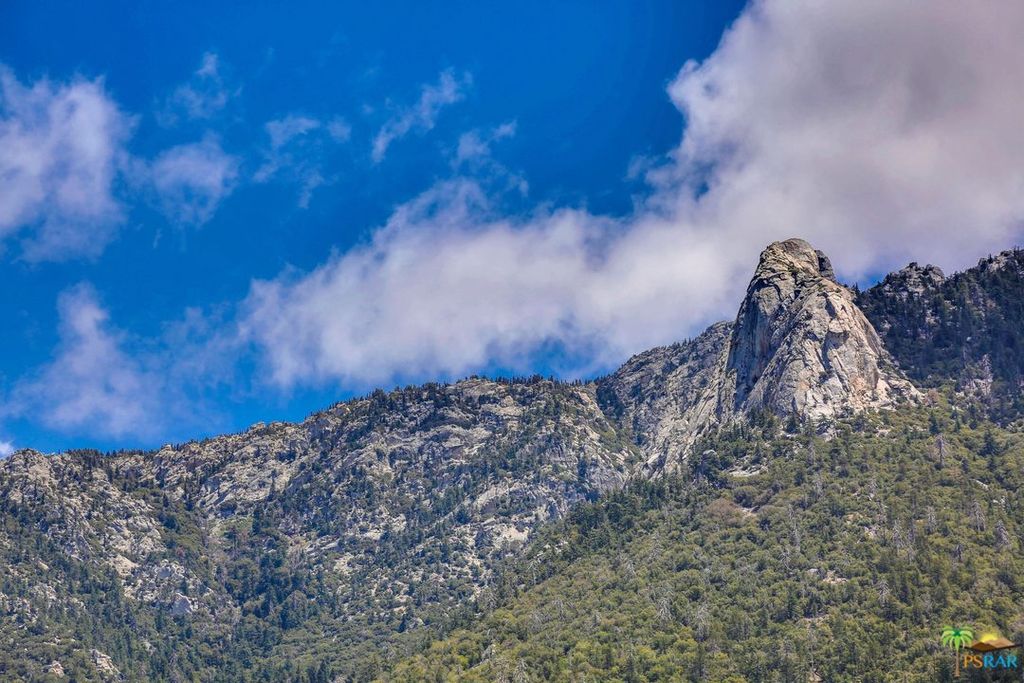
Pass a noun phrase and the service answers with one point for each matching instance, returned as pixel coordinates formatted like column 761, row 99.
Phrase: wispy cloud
column 6, row 448
column 475, row 145
column 104, row 382
column 339, row 129
column 203, row 96
column 422, row 116
column 191, row 180
column 283, row 131
column 297, row 151
column 61, row 145
column 473, row 156
column 92, row 383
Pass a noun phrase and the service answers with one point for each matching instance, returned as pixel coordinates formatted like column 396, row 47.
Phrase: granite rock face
column 668, row 397
column 799, row 344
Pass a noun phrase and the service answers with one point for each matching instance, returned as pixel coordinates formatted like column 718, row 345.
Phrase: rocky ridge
column 967, row 327
column 402, row 502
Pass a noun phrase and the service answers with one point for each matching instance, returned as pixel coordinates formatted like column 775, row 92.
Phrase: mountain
column 348, row 546
column 365, row 520
column 799, row 346
column 777, row 557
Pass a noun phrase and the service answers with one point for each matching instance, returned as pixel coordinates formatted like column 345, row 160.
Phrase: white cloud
column 882, row 131
column 64, row 159
column 472, row 156
column 446, row 287
column 422, row 116
column 92, row 384
column 104, row 382
column 60, row 149
column 281, row 132
column 297, row 149
column 191, row 180
column 476, row 145
column 204, row 95
column 6, row 448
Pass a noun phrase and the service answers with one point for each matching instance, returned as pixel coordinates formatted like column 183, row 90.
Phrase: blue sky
column 355, row 63
column 220, row 214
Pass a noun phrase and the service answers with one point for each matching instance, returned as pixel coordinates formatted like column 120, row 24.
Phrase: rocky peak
column 913, row 281
column 801, row 344
column 786, row 272
column 793, row 259
column 1010, row 259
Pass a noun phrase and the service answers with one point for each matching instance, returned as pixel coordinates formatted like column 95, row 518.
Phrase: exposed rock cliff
column 799, row 344
column 668, row 397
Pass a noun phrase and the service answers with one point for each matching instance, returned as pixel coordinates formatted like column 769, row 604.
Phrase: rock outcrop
column 912, row 282
column 799, row 345
column 668, row 397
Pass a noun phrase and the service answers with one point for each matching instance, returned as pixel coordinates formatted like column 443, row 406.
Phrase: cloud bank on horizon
column 880, row 131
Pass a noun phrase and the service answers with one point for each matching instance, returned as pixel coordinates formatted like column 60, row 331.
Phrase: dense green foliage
column 775, row 557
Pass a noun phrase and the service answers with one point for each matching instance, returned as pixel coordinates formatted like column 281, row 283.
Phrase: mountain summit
column 799, row 344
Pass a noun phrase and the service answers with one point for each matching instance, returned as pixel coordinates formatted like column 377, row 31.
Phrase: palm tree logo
column 957, row 639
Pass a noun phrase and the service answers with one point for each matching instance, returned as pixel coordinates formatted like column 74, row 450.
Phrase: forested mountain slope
column 776, row 457
column 773, row 557
column 363, row 522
